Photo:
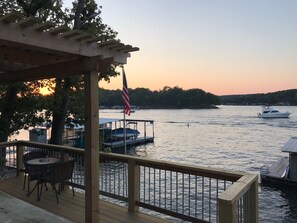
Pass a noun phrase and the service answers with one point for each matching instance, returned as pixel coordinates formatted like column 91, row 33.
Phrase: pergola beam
column 29, row 57
column 68, row 68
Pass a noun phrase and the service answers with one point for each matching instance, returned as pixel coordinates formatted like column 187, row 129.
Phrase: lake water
column 232, row 138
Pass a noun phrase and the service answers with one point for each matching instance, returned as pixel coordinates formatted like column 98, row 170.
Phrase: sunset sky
column 220, row 46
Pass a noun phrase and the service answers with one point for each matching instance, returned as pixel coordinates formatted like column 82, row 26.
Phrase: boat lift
column 110, row 133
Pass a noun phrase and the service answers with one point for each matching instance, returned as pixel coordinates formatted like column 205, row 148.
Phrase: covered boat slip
column 285, row 169
column 111, row 133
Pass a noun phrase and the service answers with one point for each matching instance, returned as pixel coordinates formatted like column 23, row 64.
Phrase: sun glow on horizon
column 45, row 91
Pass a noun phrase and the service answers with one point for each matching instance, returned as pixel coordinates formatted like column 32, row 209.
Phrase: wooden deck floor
column 72, row 208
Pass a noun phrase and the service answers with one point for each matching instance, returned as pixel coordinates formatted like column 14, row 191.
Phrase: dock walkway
column 276, row 170
column 134, row 142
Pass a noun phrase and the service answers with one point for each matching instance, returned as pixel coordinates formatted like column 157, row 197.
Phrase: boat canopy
column 107, row 120
column 102, row 121
column 290, row 146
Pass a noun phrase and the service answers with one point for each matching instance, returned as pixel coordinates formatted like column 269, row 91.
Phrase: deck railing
column 181, row 191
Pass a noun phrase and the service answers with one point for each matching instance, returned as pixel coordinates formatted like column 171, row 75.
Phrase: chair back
column 62, row 171
column 36, row 171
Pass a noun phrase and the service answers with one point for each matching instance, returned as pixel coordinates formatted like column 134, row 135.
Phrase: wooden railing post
column 64, row 157
column 254, row 201
column 227, row 211
column 133, row 185
column 19, row 163
column 245, row 188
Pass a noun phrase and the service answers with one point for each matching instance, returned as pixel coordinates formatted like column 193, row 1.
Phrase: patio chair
column 26, row 158
column 36, row 173
column 60, row 172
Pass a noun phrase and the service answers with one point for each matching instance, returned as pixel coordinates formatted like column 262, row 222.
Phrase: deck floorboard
column 72, row 208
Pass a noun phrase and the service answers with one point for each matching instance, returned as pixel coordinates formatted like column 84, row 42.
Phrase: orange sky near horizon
column 214, row 80
column 222, row 47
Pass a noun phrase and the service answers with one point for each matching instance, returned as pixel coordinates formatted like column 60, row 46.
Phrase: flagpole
column 125, row 145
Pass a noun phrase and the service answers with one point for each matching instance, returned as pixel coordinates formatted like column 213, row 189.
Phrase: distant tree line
column 286, row 97
column 167, row 98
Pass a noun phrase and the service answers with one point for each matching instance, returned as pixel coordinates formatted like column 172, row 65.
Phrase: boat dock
column 276, row 171
column 114, row 133
column 129, row 142
column 140, row 132
column 284, row 170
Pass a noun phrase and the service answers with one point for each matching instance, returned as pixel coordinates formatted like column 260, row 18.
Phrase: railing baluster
column 119, row 179
column 209, row 201
column 144, row 181
column 154, row 187
column 202, row 198
column 160, row 188
column 189, row 195
column 149, row 185
column 109, row 173
column 165, row 189
column 139, row 177
column 217, row 194
column 176, row 209
column 126, row 177
column 170, row 190
column 105, row 174
column 114, row 177
column 196, row 198
column 123, row 181
column 183, row 193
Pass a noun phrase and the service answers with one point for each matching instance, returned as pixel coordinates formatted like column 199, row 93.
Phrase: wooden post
column 65, row 157
column 227, row 211
column 133, row 185
column 20, row 153
column 91, row 148
column 254, row 201
column 245, row 188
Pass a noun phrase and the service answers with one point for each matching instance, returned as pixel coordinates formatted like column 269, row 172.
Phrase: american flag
column 125, row 95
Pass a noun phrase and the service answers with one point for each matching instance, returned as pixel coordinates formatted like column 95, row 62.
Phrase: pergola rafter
column 26, row 42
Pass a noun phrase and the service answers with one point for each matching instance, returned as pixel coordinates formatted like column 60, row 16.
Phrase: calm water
column 231, row 137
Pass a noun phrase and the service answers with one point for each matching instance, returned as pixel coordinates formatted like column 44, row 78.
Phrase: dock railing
column 170, row 190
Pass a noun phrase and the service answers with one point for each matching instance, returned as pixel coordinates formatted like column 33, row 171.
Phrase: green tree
column 18, row 102
column 174, row 98
column 84, row 15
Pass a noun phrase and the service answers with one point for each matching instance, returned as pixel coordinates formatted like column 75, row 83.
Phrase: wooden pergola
column 30, row 50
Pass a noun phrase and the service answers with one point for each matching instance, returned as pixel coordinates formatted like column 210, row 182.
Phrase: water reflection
column 282, row 199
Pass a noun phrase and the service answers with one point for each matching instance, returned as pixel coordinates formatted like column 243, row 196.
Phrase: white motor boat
column 269, row 112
